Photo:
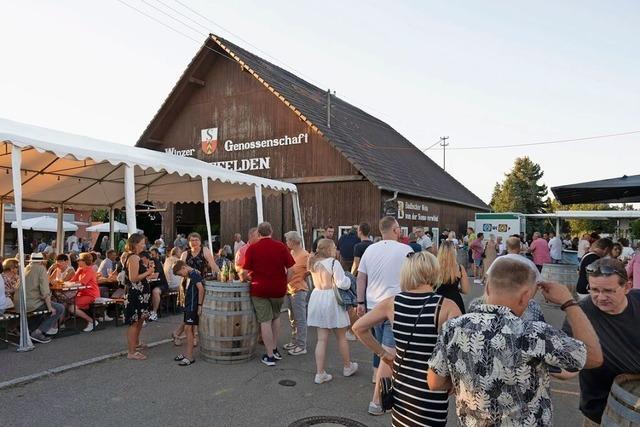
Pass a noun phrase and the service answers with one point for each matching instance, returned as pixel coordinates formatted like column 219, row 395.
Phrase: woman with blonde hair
column 416, row 313
column 452, row 279
column 138, row 293
column 324, row 311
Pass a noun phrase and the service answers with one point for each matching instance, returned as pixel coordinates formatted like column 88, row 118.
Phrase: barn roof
column 378, row 151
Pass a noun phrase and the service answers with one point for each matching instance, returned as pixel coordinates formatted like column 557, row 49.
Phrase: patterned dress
column 138, row 294
column 414, row 404
column 499, row 366
column 198, row 261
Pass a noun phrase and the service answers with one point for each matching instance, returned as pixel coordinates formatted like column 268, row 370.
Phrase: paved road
column 157, row 392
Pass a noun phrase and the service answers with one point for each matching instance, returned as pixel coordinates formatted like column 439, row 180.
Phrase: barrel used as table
column 228, row 328
column 566, row 274
column 623, row 406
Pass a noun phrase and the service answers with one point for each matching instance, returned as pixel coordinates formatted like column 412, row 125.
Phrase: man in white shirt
column 237, row 243
column 555, row 248
column 583, row 246
column 423, row 239
column 72, row 243
column 513, row 252
column 379, row 279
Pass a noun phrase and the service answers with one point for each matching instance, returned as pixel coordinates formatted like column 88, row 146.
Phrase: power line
column 558, row 141
column 353, row 114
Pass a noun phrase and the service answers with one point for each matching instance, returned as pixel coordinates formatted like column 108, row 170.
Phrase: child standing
column 193, row 297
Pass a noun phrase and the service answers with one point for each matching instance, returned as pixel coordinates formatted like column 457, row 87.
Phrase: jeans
column 384, row 335
column 297, row 305
column 51, row 320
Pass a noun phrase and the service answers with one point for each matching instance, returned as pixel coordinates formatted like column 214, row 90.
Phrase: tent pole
column 130, row 198
column 259, row 207
column 558, row 226
column 296, row 215
column 205, row 202
column 2, row 215
column 16, row 164
column 112, row 234
column 60, row 230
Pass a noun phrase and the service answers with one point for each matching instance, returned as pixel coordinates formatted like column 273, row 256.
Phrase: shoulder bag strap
column 414, row 328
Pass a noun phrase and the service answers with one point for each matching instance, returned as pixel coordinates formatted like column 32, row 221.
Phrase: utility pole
column 444, row 144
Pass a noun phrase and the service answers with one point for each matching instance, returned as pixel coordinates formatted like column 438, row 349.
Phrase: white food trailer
column 502, row 224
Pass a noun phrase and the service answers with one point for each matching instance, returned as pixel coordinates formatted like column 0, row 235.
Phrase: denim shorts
column 384, row 334
column 477, row 262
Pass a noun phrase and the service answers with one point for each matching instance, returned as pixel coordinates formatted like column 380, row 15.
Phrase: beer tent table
column 45, row 168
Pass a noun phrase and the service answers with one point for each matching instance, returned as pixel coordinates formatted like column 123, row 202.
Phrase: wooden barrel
column 562, row 273
column 623, row 406
column 228, row 328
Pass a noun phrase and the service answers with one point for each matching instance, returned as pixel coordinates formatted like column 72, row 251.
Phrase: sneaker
column 106, row 318
column 269, row 361
column 144, row 323
column 477, row 281
column 186, row 362
column 38, row 336
column 289, row 346
column 52, row 331
column 89, row 327
column 375, row 409
column 322, row 378
column 153, row 316
column 351, row 337
column 297, row 351
column 276, row 354
column 347, row 372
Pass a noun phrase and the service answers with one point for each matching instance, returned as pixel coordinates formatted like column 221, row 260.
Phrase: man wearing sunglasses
column 614, row 311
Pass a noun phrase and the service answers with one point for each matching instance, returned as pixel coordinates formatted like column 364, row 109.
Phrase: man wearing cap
column 38, row 294
column 613, row 308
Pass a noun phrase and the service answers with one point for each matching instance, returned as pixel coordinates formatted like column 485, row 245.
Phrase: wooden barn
column 235, row 109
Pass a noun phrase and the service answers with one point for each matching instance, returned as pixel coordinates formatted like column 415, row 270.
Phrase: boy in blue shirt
column 193, row 288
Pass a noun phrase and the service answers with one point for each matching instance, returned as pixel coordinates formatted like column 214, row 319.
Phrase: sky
column 482, row 73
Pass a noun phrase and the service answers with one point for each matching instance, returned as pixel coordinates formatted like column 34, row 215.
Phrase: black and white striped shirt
column 414, row 403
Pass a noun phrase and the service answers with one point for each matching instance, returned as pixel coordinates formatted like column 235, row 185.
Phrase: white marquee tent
column 105, row 227
column 49, row 168
column 44, row 223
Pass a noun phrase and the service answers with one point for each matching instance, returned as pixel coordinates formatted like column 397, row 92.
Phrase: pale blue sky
column 482, row 73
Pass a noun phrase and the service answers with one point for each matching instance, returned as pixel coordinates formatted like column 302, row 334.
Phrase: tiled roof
column 380, row 153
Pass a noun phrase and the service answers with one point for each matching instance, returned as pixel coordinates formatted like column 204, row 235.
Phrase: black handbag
column 385, row 384
column 345, row 298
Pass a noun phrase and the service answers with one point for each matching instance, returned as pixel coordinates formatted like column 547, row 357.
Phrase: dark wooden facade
column 216, row 93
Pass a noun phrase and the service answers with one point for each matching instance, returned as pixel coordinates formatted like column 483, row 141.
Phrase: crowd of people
column 400, row 295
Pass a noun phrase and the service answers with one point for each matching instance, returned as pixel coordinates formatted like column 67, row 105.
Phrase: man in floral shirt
column 498, row 364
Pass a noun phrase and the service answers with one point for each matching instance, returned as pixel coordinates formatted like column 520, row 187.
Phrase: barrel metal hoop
column 231, row 299
column 623, row 410
column 230, row 350
column 205, row 310
column 623, row 395
column 230, row 339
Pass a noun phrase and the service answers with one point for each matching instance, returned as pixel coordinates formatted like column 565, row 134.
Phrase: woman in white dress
column 324, row 311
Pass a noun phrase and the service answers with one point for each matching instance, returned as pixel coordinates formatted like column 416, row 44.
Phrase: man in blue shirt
column 346, row 244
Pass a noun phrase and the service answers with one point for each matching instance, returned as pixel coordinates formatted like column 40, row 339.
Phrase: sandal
column 136, row 356
column 141, row 346
column 179, row 358
column 186, row 362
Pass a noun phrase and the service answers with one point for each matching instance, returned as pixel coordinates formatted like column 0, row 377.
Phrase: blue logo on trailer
column 487, row 227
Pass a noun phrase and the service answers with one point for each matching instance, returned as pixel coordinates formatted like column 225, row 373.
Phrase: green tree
column 520, row 191
column 635, row 229
column 577, row 227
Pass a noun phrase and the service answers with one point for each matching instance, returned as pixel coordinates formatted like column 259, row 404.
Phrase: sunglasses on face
column 605, row 270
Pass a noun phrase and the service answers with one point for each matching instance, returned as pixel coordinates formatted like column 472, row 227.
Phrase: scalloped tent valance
column 59, row 167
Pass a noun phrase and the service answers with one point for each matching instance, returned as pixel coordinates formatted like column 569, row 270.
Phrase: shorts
column 267, row 309
column 191, row 318
column 477, row 262
column 83, row 301
column 384, row 334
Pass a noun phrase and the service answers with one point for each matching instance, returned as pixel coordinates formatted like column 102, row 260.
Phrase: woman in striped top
column 413, row 314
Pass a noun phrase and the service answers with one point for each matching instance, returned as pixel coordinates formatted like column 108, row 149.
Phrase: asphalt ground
column 120, row 392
